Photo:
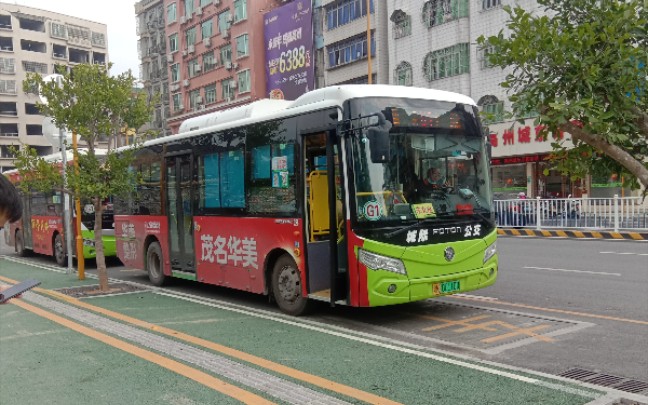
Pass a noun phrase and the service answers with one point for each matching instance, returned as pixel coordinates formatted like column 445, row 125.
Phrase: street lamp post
column 48, row 131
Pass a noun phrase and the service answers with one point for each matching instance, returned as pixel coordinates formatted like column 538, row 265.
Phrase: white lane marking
column 371, row 339
column 598, row 273
column 624, row 253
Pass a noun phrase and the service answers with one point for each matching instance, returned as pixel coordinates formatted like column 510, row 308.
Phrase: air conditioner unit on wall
column 207, row 42
column 228, row 65
column 199, row 11
column 180, row 107
column 217, row 2
column 197, row 68
column 235, row 65
column 233, row 84
column 186, row 82
column 191, row 48
column 226, row 34
column 198, row 99
column 184, row 52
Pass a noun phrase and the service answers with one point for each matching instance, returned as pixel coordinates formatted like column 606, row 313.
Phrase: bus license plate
column 446, row 287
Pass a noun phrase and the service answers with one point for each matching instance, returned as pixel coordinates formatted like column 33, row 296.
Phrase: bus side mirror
column 378, row 144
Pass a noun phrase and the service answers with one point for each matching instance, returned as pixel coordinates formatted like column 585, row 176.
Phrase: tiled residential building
column 34, row 40
column 215, row 55
column 152, row 53
column 344, row 37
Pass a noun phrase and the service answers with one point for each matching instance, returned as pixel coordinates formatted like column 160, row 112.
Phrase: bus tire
column 154, row 265
column 59, row 251
column 19, row 243
column 287, row 287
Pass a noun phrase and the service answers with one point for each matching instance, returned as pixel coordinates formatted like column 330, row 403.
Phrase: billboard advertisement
column 290, row 68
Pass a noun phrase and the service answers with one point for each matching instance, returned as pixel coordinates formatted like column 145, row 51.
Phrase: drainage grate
column 606, row 380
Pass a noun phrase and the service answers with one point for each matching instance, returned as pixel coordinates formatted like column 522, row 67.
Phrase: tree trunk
column 618, row 154
column 102, row 272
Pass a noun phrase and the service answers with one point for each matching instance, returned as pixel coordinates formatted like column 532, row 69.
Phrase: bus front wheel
column 287, row 287
column 59, row 250
column 154, row 264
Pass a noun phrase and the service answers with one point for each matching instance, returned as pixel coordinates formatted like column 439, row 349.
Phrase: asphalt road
column 558, row 305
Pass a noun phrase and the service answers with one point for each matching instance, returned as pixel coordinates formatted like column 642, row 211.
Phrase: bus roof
column 58, row 157
column 333, row 96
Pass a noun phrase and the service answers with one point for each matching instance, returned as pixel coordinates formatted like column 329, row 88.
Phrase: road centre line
column 175, row 366
column 624, row 253
column 598, row 273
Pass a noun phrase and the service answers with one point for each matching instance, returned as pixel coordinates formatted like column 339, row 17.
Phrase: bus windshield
column 434, row 167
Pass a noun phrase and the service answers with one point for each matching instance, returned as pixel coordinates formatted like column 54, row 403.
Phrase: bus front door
column 180, row 213
column 324, row 216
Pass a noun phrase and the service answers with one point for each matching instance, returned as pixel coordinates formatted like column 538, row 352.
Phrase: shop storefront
column 520, row 164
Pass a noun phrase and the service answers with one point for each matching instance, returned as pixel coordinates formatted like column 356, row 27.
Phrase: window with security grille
column 191, row 36
column 493, row 110
column 177, row 102
column 7, row 65
column 227, row 86
column 172, row 12
column 189, row 7
column 242, row 46
column 35, row 67
column 175, row 72
column 210, row 94
column 223, row 20
column 447, row 62
column 8, row 86
column 350, row 51
column 98, row 39
column 437, row 12
column 403, row 74
column 483, row 55
column 173, row 42
column 488, row 4
column 226, row 54
column 209, row 61
column 402, row 26
column 345, row 11
column 244, row 81
column 58, row 30
column 207, row 29
column 240, row 10
column 194, row 98
column 191, row 67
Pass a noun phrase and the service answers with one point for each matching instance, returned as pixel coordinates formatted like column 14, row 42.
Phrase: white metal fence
column 617, row 213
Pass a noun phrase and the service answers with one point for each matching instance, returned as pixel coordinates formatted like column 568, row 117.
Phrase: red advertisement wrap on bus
column 131, row 233
column 232, row 251
column 228, row 251
column 358, row 296
column 43, row 230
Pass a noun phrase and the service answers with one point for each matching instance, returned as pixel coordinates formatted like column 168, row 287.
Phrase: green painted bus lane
column 42, row 362
column 404, row 376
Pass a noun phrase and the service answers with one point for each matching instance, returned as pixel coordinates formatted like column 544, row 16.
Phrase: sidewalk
column 157, row 347
column 573, row 233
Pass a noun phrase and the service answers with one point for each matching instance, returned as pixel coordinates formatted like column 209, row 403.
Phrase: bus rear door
column 179, row 212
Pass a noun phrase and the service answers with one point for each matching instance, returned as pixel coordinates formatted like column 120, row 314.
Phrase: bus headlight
column 378, row 262
column 490, row 251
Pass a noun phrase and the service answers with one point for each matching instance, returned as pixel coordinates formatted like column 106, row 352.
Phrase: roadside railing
column 617, row 213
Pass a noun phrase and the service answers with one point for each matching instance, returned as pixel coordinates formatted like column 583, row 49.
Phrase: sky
column 119, row 17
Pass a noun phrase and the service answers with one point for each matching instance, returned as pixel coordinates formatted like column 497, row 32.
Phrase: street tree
column 581, row 67
column 96, row 106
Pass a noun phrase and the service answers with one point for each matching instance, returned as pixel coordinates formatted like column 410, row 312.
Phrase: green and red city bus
column 321, row 198
column 41, row 228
